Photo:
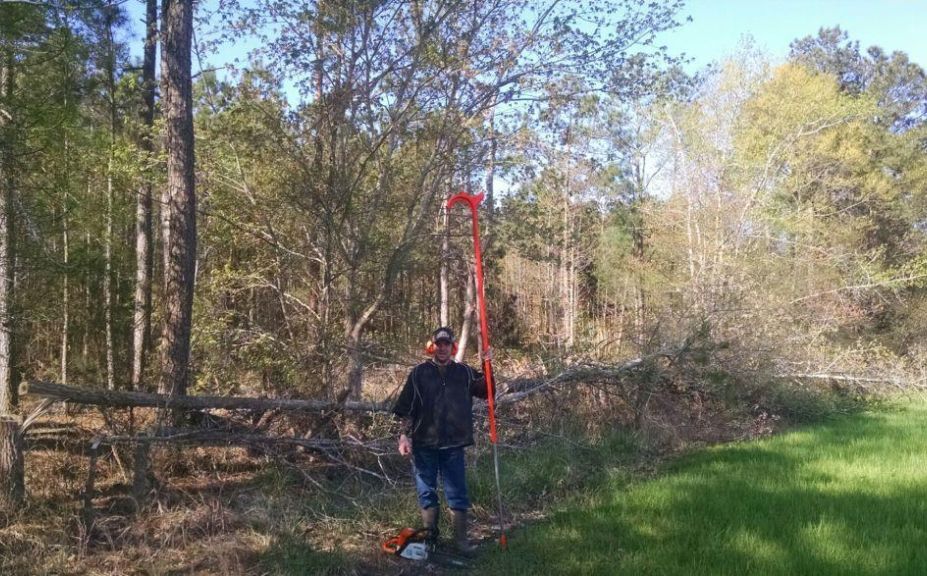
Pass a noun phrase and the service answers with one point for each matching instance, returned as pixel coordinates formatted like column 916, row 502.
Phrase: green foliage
column 892, row 79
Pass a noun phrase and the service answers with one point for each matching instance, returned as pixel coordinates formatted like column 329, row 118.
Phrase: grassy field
column 846, row 497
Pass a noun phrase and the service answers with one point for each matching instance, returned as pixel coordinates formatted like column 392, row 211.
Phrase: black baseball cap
column 443, row 333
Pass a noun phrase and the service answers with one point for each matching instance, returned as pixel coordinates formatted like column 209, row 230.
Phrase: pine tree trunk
column 85, row 337
column 141, row 325
column 12, row 487
column 445, row 249
column 108, row 277
column 566, row 280
column 6, row 297
column 65, row 290
column 491, row 171
column 640, row 251
column 108, row 240
column 6, row 239
column 179, row 213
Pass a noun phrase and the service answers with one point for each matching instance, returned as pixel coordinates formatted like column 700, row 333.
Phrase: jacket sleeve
column 477, row 384
column 402, row 409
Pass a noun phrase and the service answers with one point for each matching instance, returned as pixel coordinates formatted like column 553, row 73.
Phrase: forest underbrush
column 284, row 509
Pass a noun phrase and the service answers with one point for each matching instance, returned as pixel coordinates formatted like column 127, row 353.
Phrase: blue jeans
column 427, row 463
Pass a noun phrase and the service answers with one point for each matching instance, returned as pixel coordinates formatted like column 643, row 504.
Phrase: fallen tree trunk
column 226, row 438
column 124, row 399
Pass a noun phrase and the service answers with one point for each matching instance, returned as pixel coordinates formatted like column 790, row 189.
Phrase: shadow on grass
column 816, row 501
column 291, row 554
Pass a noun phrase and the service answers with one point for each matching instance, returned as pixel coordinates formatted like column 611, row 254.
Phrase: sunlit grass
column 847, row 497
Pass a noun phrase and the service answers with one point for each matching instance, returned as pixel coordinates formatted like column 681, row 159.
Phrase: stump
column 12, row 484
column 141, row 471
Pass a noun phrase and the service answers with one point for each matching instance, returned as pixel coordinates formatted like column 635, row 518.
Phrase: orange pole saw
column 473, row 201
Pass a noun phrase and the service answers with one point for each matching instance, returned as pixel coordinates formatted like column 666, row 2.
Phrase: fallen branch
column 843, row 378
column 223, row 438
column 115, row 398
column 578, row 372
column 863, row 383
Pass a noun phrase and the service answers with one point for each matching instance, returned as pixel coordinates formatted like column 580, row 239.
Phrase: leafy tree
column 899, row 85
column 392, row 96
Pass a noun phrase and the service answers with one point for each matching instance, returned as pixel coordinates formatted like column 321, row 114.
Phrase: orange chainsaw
column 409, row 543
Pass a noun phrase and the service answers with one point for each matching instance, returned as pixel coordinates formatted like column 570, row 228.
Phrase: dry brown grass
column 208, row 514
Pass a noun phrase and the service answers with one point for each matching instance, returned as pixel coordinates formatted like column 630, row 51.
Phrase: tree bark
column 179, row 213
column 108, row 240
column 639, row 238
column 566, row 271
column 469, row 308
column 141, row 472
column 65, row 288
column 141, row 325
column 445, row 249
column 491, row 172
column 108, row 271
column 12, row 485
column 85, row 336
column 6, row 241
column 6, row 294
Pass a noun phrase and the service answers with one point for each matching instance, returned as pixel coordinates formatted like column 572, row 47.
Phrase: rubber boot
column 460, row 532
column 430, row 522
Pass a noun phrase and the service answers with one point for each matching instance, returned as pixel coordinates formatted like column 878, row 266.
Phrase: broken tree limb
column 579, row 372
column 123, row 399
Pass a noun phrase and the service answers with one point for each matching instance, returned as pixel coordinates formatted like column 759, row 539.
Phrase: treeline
column 775, row 211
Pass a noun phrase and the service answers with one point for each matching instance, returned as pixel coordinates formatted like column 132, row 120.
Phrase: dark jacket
column 439, row 408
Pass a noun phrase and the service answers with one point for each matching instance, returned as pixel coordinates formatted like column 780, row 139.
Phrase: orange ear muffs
column 430, row 348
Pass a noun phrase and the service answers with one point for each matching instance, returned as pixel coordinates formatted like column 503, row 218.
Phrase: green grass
column 289, row 554
column 549, row 471
column 845, row 497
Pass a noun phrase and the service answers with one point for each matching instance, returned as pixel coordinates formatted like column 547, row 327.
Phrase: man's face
column 442, row 351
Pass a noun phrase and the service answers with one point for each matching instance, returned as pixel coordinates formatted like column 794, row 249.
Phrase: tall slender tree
column 9, row 32
column 178, row 214
column 141, row 325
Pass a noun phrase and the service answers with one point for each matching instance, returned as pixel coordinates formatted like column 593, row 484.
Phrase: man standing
column 436, row 410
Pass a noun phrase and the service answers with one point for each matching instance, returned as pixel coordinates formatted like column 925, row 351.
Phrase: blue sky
column 718, row 25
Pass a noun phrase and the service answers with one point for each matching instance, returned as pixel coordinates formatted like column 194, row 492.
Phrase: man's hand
column 486, row 354
column 405, row 445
